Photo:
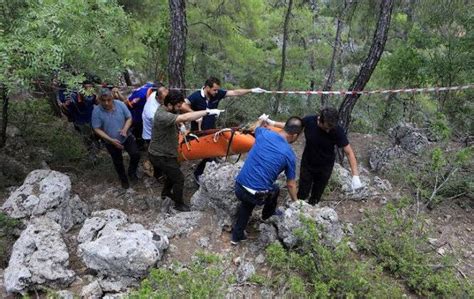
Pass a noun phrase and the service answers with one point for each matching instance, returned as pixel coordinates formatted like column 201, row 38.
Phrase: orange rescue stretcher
column 215, row 143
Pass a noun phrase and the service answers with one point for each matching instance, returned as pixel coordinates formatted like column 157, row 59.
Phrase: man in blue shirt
column 111, row 120
column 136, row 102
column 78, row 106
column 208, row 98
column 255, row 184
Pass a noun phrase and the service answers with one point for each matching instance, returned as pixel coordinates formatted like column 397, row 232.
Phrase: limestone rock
column 409, row 137
column 217, row 191
column 245, row 271
column 179, row 224
column 92, row 290
column 46, row 192
column 326, row 217
column 39, row 257
column 120, row 252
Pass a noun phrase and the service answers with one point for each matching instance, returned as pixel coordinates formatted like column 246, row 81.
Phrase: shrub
column 7, row 225
column 397, row 238
column 203, row 278
column 316, row 270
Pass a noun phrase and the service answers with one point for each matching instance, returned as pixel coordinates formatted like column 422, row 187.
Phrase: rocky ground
column 163, row 236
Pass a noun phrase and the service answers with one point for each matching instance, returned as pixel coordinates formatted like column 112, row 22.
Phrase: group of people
column 153, row 116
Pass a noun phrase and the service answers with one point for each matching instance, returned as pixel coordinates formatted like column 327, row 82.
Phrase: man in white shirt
column 153, row 102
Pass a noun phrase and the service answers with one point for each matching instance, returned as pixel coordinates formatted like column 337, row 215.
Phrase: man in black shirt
column 322, row 133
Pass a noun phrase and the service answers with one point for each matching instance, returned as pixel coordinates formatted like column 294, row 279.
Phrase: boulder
column 120, row 252
column 290, row 221
column 179, row 224
column 410, row 138
column 92, row 290
column 245, row 271
column 39, row 257
column 382, row 160
column 46, row 192
column 217, row 192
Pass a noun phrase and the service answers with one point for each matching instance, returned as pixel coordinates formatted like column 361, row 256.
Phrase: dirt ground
column 452, row 223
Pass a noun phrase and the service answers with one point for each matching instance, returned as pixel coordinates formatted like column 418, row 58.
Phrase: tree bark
column 126, row 77
column 367, row 68
column 177, row 47
column 276, row 107
column 331, row 72
column 3, row 131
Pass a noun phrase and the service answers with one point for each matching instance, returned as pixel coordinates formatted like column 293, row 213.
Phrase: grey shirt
column 164, row 136
column 111, row 122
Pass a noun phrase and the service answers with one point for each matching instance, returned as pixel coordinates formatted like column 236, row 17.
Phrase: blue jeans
column 248, row 203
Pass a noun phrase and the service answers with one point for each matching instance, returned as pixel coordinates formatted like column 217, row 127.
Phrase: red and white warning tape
column 363, row 92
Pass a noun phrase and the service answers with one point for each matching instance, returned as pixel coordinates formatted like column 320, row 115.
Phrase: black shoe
column 125, row 184
column 166, row 194
column 182, row 207
column 133, row 178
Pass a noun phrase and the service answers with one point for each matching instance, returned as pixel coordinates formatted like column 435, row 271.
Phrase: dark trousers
column 174, row 182
column 248, row 203
column 137, row 131
column 130, row 147
column 314, row 180
column 201, row 166
column 157, row 173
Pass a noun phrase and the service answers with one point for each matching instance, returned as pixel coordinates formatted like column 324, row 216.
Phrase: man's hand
column 215, row 112
column 182, row 129
column 123, row 132
column 117, row 144
column 356, row 184
column 266, row 118
column 258, row 90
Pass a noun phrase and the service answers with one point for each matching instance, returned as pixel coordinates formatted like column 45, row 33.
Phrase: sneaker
column 237, row 242
column 182, row 207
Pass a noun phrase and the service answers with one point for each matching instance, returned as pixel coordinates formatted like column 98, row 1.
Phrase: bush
column 397, row 238
column 7, row 238
column 202, row 279
column 315, row 270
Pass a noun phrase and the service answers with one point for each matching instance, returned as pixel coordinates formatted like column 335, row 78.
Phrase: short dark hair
column 104, row 91
column 174, row 97
column 211, row 81
column 329, row 116
column 294, row 125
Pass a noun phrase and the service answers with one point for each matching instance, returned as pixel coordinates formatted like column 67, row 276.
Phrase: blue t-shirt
column 111, row 122
column 137, row 100
column 199, row 101
column 319, row 151
column 269, row 156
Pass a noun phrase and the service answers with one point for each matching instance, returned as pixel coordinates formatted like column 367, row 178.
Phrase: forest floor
column 451, row 222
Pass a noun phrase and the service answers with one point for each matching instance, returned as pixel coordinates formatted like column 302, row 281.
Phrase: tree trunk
column 126, row 77
column 336, row 52
column 367, row 68
column 276, row 108
column 3, row 131
column 177, row 47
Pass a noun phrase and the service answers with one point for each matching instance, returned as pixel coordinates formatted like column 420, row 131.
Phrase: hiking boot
column 182, row 207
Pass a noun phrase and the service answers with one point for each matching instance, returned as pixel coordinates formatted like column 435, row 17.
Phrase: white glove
column 258, row 90
column 356, row 184
column 182, row 129
column 266, row 118
column 216, row 112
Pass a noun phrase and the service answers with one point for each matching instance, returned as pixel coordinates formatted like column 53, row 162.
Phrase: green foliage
column 40, row 128
column 397, row 238
column 7, row 226
column 316, row 270
column 439, row 127
column 203, row 278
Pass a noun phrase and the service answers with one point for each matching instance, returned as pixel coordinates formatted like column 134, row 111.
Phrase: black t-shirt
column 319, row 149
